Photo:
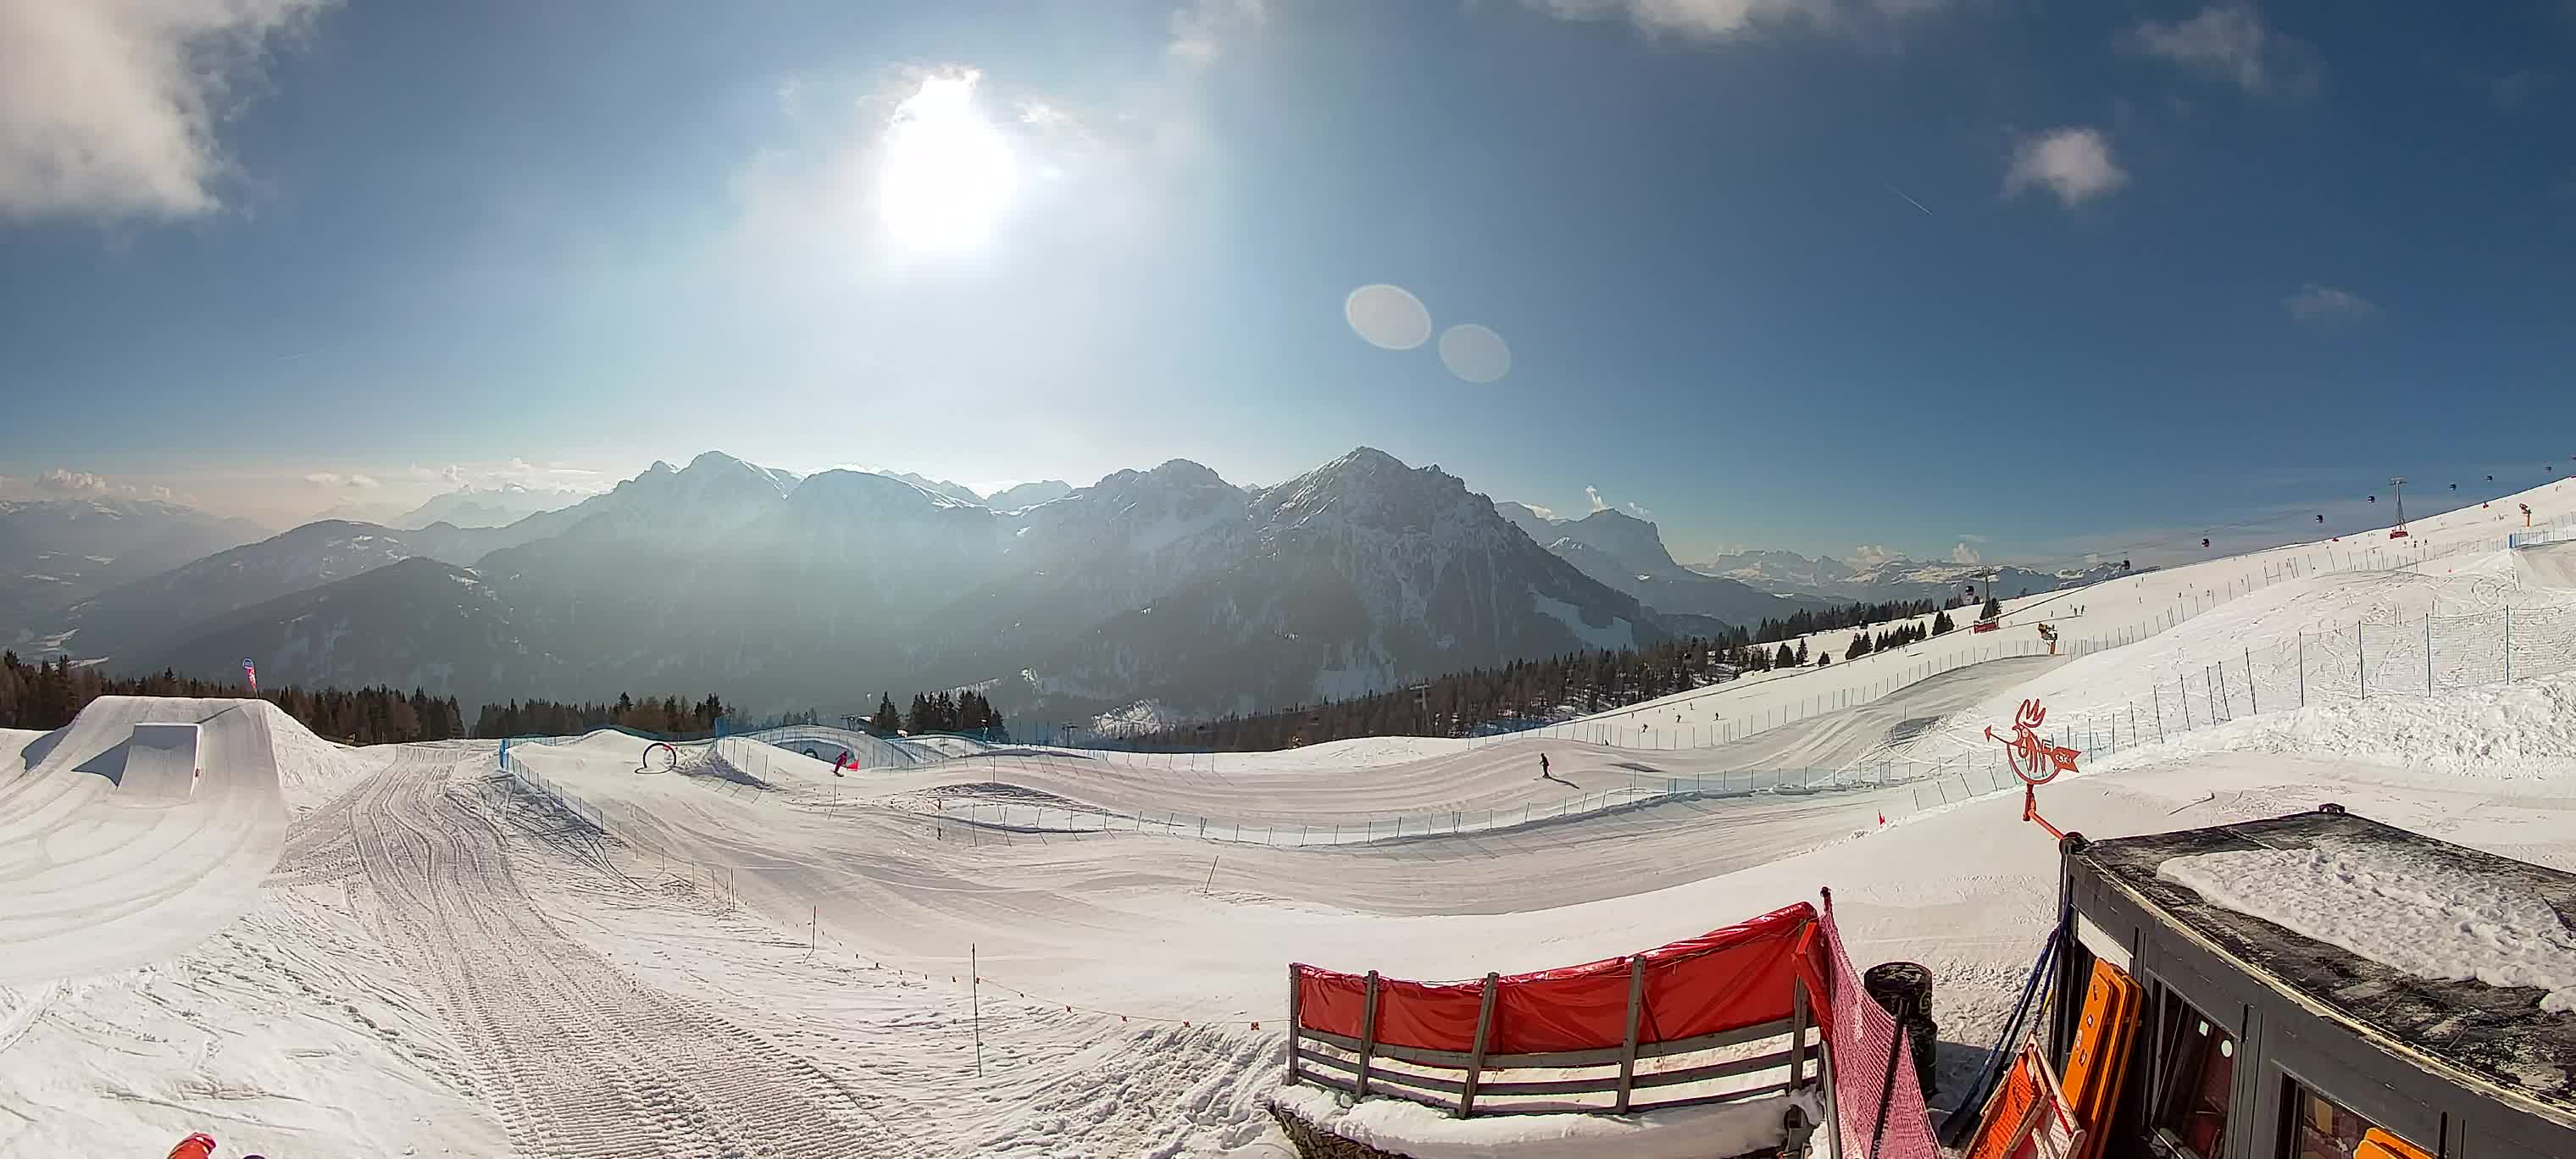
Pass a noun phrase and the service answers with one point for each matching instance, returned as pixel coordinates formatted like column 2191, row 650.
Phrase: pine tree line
column 668, row 717
column 48, row 694
column 1528, row 692
column 965, row 711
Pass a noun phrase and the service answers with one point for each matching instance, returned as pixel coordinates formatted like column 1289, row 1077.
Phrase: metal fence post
column 2361, row 659
column 2428, row 653
column 2253, row 702
column 2303, row 670
column 2508, row 643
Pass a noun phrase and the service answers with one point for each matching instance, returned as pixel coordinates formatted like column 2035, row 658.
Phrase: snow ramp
column 2548, row 565
column 132, row 833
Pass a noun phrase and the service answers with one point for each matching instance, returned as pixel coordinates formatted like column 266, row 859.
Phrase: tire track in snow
column 577, row 1059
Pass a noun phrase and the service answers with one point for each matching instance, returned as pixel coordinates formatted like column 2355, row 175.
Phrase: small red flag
column 1882, row 817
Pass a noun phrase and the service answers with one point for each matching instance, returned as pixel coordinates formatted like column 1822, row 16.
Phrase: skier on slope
column 1542, row 766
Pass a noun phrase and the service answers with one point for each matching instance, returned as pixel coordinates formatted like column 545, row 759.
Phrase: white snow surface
column 2398, row 908
column 1407, row 1128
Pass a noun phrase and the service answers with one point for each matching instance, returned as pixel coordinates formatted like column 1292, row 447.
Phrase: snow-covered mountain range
column 1628, row 553
column 1877, row 580
column 781, row 590
column 791, row 591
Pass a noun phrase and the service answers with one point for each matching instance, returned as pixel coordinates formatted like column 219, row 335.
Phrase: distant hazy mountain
column 57, row 552
column 486, row 506
column 778, row 591
column 1028, row 495
column 1628, row 554
column 146, row 612
column 417, row 623
column 957, row 491
column 1361, row 574
column 1892, row 579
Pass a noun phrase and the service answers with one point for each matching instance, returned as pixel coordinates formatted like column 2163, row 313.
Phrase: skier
column 1542, row 766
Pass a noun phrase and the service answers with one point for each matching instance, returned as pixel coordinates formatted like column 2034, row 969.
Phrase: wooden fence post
column 1295, row 1009
column 1476, row 1060
column 1797, row 1033
column 1368, row 1037
column 1628, row 1051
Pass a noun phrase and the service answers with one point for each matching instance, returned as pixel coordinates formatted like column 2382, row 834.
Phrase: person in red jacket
column 197, row 1146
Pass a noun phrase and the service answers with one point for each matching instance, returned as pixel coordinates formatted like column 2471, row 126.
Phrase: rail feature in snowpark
column 1774, row 994
column 668, row 760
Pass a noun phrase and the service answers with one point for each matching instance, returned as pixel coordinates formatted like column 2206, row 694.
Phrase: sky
column 1965, row 279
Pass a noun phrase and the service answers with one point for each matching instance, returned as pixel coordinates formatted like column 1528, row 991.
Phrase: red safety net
column 1723, row 980
column 1870, row 1059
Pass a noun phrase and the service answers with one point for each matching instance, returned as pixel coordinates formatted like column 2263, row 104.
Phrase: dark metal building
column 2253, row 1042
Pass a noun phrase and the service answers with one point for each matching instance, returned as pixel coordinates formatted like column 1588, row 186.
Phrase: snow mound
column 2398, row 908
column 1408, row 1128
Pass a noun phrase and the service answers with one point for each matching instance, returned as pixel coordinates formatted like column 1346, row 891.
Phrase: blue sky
column 1973, row 276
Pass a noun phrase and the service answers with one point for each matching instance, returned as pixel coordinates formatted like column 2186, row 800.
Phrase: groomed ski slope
column 774, row 958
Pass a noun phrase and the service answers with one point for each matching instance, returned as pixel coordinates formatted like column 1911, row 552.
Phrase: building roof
column 2497, row 1034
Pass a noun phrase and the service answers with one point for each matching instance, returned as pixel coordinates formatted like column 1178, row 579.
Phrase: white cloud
column 2325, row 305
column 1973, row 537
column 1702, row 19
column 1638, row 510
column 2229, row 41
column 1710, row 20
column 1870, row 555
column 1965, row 554
column 1594, row 495
column 1546, row 513
column 1201, row 28
column 109, row 108
column 334, row 479
column 62, row 482
column 2074, row 163
column 2514, row 90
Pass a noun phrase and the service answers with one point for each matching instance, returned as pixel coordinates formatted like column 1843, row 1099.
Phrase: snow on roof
column 2400, row 908
column 2499, row 1031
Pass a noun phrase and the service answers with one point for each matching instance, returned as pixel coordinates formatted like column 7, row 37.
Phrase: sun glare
column 948, row 174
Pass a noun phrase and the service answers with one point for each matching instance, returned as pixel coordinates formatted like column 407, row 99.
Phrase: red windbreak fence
column 1680, row 1023
column 1723, row 980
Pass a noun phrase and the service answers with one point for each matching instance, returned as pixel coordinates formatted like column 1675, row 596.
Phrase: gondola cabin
column 2187, row 1027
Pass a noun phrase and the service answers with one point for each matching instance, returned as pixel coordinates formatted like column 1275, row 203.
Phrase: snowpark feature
column 448, row 960
column 114, row 851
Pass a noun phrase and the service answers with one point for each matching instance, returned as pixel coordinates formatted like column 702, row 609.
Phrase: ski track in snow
column 577, row 1058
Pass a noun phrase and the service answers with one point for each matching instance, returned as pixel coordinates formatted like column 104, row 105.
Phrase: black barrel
column 1904, row 989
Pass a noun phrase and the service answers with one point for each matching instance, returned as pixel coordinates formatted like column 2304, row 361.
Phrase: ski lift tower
column 2398, row 485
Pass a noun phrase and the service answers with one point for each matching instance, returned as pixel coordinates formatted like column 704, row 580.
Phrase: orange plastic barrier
column 2100, row 1054
column 2029, row 1117
column 1723, row 980
column 2378, row 1144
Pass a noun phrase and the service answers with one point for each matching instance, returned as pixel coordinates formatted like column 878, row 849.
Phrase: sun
column 947, row 174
